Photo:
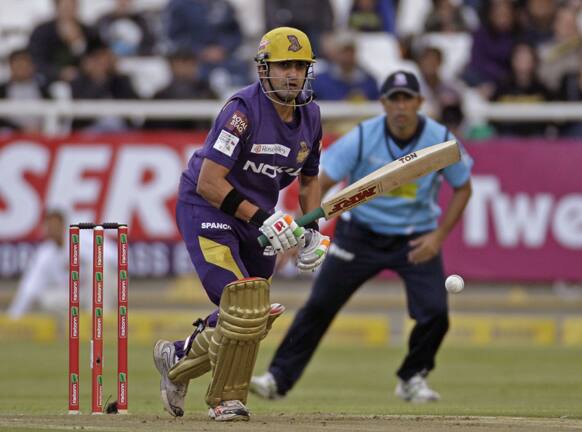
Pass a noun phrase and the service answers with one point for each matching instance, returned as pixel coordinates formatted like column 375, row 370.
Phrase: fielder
column 266, row 135
column 397, row 232
column 45, row 279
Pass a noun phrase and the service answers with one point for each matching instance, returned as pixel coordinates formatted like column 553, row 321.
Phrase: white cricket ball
column 454, row 284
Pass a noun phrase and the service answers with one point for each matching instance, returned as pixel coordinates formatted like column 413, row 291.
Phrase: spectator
column 446, row 17
column 210, row 28
column 45, row 279
column 560, row 55
column 185, row 84
column 536, row 20
column 576, row 5
column 476, row 5
column 523, row 86
column 344, row 79
column 315, row 18
column 22, row 85
column 571, row 91
column 373, row 16
column 100, row 80
column 453, row 117
column 438, row 93
column 493, row 41
column 126, row 31
column 57, row 45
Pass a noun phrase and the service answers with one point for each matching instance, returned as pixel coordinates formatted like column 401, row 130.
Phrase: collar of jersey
column 403, row 146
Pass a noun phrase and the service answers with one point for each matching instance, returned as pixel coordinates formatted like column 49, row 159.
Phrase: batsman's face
column 286, row 78
column 401, row 109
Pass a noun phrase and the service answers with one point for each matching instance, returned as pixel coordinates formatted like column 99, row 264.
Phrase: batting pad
column 242, row 323
column 196, row 362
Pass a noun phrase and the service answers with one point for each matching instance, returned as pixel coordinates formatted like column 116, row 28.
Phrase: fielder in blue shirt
column 399, row 232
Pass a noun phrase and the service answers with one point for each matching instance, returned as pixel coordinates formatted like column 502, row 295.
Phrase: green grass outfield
column 341, row 384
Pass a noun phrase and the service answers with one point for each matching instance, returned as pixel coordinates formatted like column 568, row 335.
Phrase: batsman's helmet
column 285, row 44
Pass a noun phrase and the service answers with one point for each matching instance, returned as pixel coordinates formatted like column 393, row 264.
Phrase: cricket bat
column 391, row 176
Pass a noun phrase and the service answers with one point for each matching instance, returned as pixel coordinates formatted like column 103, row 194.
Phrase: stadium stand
column 380, row 53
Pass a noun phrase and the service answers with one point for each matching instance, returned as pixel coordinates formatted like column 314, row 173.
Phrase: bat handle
column 302, row 221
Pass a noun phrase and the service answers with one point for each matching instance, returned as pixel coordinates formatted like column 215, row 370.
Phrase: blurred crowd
column 518, row 51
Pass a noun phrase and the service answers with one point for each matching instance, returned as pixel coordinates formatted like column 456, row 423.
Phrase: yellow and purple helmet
column 285, row 44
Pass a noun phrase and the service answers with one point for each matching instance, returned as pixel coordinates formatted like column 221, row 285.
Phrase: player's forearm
column 325, row 183
column 215, row 188
column 309, row 193
column 215, row 191
column 455, row 209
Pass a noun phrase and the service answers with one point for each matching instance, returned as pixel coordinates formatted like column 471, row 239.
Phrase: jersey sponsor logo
column 263, row 44
column 226, row 142
column 215, row 225
column 352, row 201
column 408, row 191
column 303, row 152
column 294, row 44
column 270, row 149
column 238, row 123
column 270, row 170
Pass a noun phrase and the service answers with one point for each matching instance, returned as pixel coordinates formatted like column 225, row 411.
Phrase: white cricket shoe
column 232, row 410
column 416, row 390
column 265, row 386
column 172, row 394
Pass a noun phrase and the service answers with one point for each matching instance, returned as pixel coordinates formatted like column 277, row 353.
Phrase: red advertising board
column 524, row 221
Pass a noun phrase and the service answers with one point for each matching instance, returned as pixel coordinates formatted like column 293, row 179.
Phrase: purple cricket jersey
column 264, row 153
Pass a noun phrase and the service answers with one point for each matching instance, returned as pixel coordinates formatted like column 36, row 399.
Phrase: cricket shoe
column 232, row 410
column 172, row 394
column 416, row 390
column 265, row 386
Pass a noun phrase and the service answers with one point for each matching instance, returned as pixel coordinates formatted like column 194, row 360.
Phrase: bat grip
column 302, row 221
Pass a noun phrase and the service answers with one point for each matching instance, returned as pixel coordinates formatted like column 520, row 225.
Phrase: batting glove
column 283, row 232
column 313, row 253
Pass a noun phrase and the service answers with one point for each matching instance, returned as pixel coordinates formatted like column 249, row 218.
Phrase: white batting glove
column 313, row 253
column 269, row 251
column 283, row 232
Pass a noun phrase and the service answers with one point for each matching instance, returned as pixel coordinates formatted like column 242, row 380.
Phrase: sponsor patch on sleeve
column 226, row 142
column 237, row 123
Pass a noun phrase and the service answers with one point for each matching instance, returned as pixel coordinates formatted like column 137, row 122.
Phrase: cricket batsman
column 265, row 136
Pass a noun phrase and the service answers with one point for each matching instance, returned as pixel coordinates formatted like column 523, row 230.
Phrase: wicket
column 96, row 343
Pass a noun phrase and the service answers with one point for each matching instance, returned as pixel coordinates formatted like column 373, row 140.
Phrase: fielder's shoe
column 265, row 386
column 232, row 410
column 173, row 395
column 416, row 390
